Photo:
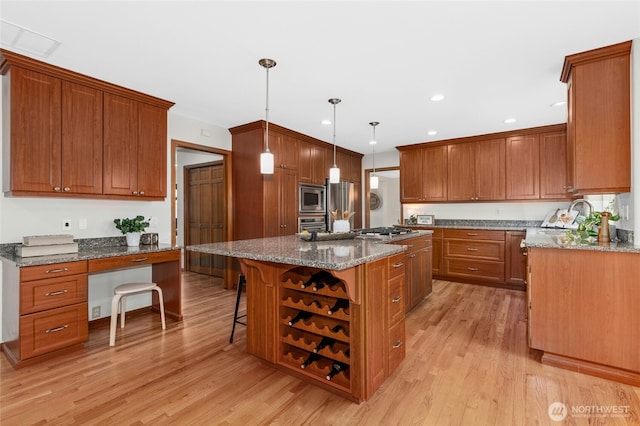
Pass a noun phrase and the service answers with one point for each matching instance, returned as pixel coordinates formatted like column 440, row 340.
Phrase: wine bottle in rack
column 337, row 367
column 318, row 276
column 302, row 315
column 337, row 328
column 326, row 342
column 340, row 304
column 311, row 358
column 330, row 280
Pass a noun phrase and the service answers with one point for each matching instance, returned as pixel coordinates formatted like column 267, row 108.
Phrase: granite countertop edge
column 549, row 239
column 7, row 253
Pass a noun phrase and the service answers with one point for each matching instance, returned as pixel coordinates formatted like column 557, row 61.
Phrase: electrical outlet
column 497, row 212
column 66, row 224
column 95, row 312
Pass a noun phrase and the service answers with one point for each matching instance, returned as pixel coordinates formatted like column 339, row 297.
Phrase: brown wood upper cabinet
column 476, row 170
column 424, row 174
column 286, row 151
column 599, row 120
column 527, row 164
column 314, row 159
column 70, row 138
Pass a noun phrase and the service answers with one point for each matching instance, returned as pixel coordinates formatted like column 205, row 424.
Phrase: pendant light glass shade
column 334, row 172
column 266, row 158
column 373, row 180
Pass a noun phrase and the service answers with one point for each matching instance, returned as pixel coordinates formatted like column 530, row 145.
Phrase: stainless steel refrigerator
column 340, row 196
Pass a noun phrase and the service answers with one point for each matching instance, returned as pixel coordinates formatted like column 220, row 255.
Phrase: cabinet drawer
column 486, row 250
column 31, row 273
column 52, row 293
column 396, row 299
column 474, row 234
column 140, row 259
column 474, row 269
column 396, row 265
column 53, row 329
column 415, row 244
column 396, row 345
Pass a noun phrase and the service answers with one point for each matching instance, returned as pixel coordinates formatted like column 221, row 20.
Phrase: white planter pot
column 133, row 238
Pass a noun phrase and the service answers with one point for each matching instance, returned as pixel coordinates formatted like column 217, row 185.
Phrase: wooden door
column 205, row 213
column 288, row 202
column 306, row 162
column 411, row 169
column 490, row 170
column 523, row 168
column 81, row 139
column 553, row 166
column 152, row 151
column 434, row 173
column 515, row 260
column 35, row 131
column 120, row 146
column 461, row 166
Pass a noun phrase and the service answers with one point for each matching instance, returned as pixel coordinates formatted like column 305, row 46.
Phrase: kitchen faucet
column 581, row 211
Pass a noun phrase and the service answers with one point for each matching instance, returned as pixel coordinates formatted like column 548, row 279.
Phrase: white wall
column 20, row 216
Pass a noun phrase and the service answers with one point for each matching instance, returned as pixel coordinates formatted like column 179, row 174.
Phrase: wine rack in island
column 315, row 326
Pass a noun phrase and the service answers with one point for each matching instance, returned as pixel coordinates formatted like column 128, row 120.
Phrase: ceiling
column 385, row 59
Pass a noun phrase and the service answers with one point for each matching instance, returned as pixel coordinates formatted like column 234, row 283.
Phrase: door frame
column 367, row 193
column 227, row 161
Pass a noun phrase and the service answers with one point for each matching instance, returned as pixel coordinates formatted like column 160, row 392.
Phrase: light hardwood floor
column 467, row 364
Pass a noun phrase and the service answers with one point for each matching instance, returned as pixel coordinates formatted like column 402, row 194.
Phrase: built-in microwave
column 311, row 199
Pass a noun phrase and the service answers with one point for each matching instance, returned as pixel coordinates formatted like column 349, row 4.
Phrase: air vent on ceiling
column 15, row 37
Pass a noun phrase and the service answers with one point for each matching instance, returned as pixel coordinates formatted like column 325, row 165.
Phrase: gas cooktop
column 385, row 230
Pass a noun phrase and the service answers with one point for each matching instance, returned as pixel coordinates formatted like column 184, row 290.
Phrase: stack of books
column 43, row 245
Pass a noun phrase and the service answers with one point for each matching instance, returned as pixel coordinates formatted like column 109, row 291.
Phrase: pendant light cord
column 266, row 110
column 334, row 135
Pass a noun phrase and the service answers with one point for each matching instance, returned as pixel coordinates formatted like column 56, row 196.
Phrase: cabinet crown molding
column 10, row 59
column 607, row 52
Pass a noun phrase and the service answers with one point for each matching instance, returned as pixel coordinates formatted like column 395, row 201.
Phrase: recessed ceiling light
column 510, row 120
column 372, row 142
column 437, row 97
column 326, row 122
column 432, row 132
column 560, row 103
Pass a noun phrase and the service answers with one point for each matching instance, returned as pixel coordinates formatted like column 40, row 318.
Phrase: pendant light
column 266, row 158
column 334, row 172
column 373, row 180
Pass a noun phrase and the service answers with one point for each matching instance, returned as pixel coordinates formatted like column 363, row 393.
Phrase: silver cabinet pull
column 472, row 234
column 397, row 345
column 471, row 249
column 57, row 293
column 473, row 269
column 53, row 271
column 396, row 299
column 141, row 192
column 142, row 259
column 57, row 188
column 66, row 189
column 398, row 265
column 54, row 330
column 412, row 255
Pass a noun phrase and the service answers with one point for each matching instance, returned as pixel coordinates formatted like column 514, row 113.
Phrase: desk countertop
column 85, row 252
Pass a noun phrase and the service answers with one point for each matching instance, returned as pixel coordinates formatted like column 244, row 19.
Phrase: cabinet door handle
column 141, row 192
column 472, row 234
column 396, row 299
column 57, row 188
column 135, row 192
column 142, row 259
column 471, row 249
column 53, row 271
column 57, row 293
column 472, row 269
column 411, row 255
column 53, row 330
column 397, row 345
column 398, row 265
column 66, row 189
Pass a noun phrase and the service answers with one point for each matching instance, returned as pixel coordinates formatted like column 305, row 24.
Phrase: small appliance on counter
column 311, row 199
column 561, row 218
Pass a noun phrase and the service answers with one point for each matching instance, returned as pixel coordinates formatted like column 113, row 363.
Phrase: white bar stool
column 119, row 303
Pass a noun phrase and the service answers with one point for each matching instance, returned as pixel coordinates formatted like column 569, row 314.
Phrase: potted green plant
column 132, row 228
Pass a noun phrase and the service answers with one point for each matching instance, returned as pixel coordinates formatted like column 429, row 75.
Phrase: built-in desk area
column 44, row 299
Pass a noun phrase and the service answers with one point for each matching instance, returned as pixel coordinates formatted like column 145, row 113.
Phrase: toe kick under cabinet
column 50, row 307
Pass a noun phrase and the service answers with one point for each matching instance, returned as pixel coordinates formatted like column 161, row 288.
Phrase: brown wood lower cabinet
column 583, row 311
column 418, row 275
column 479, row 256
column 341, row 330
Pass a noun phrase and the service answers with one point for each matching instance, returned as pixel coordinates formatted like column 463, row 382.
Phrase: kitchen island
column 583, row 303
column 327, row 312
